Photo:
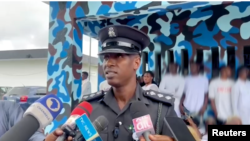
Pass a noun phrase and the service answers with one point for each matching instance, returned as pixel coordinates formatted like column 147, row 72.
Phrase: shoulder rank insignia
column 93, row 96
column 158, row 96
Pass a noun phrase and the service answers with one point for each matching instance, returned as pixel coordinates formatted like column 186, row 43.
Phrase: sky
column 25, row 25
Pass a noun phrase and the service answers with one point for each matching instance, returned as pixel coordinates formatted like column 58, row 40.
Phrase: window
column 247, row 56
column 231, row 59
column 4, row 90
column 184, row 62
column 90, row 49
column 199, row 56
column 171, row 56
column 144, row 62
column 41, row 91
column 19, row 91
column 158, row 67
column 86, row 45
column 215, row 62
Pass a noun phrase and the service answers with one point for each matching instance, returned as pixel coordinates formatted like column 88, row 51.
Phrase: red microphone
column 69, row 126
column 82, row 108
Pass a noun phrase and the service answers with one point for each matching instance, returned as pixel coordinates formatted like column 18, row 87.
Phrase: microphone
column 38, row 115
column 70, row 126
column 178, row 129
column 141, row 120
column 89, row 131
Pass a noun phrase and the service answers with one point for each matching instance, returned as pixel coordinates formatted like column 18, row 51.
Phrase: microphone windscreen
column 101, row 123
column 138, row 109
column 40, row 114
column 83, row 108
column 45, row 109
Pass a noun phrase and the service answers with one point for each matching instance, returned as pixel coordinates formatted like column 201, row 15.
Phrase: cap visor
column 120, row 51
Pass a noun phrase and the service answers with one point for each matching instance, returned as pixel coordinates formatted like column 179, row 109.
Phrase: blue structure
column 213, row 33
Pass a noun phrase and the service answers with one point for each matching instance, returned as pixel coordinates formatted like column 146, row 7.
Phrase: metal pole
column 89, row 57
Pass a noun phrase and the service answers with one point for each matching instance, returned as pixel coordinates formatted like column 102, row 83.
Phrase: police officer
column 121, row 50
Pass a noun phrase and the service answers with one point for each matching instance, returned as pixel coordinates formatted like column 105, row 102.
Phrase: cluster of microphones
column 41, row 113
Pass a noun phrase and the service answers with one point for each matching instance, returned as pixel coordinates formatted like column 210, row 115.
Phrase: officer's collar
column 138, row 95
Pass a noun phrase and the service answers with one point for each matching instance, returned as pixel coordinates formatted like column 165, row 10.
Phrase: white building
column 29, row 68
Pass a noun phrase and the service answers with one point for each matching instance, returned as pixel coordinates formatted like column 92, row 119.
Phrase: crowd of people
column 198, row 101
column 201, row 102
column 228, row 99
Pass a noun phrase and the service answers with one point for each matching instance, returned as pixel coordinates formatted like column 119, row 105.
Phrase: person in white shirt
column 220, row 94
column 173, row 83
column 195, row 97
column 148, row 80
column 241, row 96
column 104, row 86
column 86, row 85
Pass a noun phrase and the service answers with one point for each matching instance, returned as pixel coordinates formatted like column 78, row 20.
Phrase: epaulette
column 159, row 96
column 93, row 96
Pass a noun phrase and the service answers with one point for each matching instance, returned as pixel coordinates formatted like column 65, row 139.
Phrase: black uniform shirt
column 104, row 103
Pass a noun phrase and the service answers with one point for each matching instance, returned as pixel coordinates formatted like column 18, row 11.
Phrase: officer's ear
column 136, row 61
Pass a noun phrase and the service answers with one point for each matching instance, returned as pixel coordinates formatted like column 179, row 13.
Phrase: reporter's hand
column 182, row 109
column 53, row 136
column 157, row 138
column 190, row 121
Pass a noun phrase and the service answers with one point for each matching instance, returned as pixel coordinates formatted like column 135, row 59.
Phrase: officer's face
column 120, row 69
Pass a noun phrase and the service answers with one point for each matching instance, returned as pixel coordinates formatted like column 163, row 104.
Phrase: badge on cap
column 112, row 32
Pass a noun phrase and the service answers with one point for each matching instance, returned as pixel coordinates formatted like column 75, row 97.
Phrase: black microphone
column 178, row 129
column 100, row 124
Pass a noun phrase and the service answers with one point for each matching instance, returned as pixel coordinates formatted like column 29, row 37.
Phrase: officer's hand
column 53, row 136
column 157, row 138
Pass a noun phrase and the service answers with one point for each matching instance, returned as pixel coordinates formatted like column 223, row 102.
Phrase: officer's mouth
column 110, row 74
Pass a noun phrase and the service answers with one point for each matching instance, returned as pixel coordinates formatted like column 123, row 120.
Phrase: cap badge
column 111, row 32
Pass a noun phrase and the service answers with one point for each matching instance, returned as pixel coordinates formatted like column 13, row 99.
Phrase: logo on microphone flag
column 142, row 123
column 51, row 103
column 87, row 129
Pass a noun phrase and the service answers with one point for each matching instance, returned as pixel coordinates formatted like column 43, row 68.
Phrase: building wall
column 212, row 29
column 32, row 72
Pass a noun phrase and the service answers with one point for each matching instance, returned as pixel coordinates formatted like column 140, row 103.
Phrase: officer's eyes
column 106, row 57
column 116, row 56
column 119, row 55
